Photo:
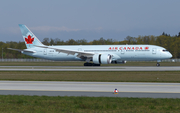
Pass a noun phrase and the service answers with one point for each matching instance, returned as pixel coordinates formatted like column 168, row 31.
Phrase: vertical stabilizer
column 30, row 39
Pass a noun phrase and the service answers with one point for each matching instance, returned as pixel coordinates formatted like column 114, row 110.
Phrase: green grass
column 110, row 76
column 81, row 64
column 39, row 104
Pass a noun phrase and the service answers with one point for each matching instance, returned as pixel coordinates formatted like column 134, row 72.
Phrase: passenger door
column 45, row 51
column 154, row 51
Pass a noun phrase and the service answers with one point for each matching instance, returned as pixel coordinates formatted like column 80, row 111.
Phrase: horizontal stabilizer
column 25, row 50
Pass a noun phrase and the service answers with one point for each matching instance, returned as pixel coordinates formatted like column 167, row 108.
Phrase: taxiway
column 82, row 68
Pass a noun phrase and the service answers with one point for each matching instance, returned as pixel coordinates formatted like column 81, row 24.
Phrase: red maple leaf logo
column 146, row 48
column 29, row 40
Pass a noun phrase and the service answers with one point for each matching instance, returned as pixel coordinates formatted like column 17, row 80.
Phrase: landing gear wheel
column 91, row 64
column 87, row 64
column 157, row 64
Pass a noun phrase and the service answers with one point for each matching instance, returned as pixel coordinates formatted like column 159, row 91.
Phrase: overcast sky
column 88, row 19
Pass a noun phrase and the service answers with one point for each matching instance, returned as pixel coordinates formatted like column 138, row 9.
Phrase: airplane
column 98, row 54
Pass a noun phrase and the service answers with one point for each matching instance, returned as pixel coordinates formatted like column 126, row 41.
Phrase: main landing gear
column 158, row 64
column 91, row 64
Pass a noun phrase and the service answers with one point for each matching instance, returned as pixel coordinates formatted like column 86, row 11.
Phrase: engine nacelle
column 102, row 59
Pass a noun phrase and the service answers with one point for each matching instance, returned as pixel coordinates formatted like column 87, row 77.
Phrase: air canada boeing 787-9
column 98, row 54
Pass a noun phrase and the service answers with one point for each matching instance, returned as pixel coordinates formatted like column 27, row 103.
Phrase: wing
column 70, row 52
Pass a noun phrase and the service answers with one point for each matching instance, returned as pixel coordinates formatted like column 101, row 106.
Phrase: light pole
column 2, row 54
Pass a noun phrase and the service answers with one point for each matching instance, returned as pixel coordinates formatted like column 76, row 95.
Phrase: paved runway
column 82, row 68
column 92, row 89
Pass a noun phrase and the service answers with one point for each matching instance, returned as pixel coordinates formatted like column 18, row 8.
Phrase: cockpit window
column 164, row 50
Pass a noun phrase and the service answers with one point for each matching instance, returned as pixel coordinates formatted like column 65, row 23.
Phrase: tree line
column 171, row 43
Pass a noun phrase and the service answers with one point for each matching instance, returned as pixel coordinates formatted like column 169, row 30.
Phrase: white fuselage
column 119, row 52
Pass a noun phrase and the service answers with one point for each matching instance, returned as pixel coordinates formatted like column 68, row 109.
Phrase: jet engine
column 102, row 59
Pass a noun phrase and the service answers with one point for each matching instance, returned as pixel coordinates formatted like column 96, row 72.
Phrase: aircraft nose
column 170, row 55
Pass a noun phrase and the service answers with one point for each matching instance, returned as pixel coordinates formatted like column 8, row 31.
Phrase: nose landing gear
column 158, row 64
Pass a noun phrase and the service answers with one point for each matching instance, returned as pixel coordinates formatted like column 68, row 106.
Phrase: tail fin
column 30, row 39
